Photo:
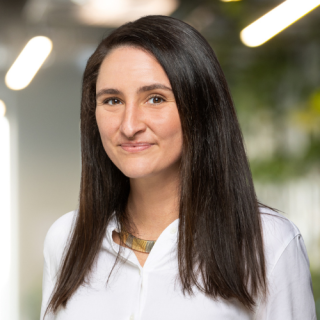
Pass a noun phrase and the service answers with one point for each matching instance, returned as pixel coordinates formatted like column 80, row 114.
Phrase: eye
column 156, row 99
column 112, row 101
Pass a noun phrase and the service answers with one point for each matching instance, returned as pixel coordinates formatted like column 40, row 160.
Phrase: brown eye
column 112, row 101
column 156, row 100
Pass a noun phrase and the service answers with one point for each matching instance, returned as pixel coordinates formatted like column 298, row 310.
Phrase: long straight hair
column 220, row 232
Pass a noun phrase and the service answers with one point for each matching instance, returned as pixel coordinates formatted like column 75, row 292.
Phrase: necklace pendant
column 136, row 243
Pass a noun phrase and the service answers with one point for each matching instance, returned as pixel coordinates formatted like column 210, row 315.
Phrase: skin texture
column 128, row 114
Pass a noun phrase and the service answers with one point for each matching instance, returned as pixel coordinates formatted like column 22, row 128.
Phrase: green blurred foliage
column 282, row 167
column 316, row 290
column 281, row 77
column 308, row 118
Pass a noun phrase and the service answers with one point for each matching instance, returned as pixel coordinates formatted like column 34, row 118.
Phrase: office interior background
column 272, row 67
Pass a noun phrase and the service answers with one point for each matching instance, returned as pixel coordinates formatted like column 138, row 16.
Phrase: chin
column 134, row 174
column 135, row 169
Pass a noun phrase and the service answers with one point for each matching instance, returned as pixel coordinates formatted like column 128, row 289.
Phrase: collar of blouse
column 162, row 256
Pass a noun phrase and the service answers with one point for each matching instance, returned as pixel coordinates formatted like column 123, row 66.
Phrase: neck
column 153, row 204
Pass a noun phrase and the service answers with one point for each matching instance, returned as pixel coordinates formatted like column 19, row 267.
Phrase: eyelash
column 109, row 99
column 156, row 96
column 152, row 97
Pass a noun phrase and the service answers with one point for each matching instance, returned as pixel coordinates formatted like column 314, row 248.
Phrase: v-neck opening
column 168, row 234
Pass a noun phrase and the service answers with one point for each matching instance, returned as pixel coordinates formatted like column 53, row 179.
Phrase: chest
column 135, row 293
column 141, row 257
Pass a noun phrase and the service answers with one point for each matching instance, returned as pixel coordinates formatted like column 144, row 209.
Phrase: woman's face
column 135, row 105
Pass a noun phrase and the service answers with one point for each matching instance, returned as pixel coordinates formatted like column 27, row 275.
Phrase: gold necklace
column 137, row 244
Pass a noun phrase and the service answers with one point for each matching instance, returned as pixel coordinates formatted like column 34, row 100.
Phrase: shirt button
column 132, row 317
column 173, row 230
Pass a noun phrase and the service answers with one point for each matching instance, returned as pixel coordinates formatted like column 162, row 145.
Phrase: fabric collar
column 162, row 254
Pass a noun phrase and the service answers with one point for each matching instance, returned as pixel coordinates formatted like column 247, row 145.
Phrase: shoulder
column 57, row 238
column 288, row 271
column 278, row 232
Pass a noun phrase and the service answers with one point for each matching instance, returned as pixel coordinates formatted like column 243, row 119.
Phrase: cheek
column 107, row 127
column 169, row 130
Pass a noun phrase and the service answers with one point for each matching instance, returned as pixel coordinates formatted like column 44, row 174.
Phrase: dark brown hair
column 219, row 228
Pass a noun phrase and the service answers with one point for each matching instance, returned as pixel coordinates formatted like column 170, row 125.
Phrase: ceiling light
column 276, row 21
column 114, row 13
column 28, row 63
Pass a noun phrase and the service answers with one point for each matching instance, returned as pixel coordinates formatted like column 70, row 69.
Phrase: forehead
column 130, row 65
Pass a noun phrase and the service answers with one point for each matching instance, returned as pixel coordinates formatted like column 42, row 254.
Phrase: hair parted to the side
column 220, row 229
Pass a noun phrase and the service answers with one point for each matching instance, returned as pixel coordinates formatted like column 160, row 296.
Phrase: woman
column 167, row 196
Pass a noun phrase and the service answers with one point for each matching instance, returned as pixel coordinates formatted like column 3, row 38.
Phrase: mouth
column 134, row 148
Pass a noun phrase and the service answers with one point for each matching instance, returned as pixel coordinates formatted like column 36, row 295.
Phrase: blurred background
column 275, row 85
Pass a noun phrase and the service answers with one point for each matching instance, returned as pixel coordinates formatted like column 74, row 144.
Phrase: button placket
column 135, row 312
column 143, row 292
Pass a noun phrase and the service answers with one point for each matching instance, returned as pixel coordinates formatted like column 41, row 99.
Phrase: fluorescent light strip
column 116, row 12
column 276, row 21
column 28, row 63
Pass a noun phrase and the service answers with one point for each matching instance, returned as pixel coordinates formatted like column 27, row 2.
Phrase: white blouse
column 151, row 293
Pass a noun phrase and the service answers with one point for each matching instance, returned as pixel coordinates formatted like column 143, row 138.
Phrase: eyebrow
column 140, row 90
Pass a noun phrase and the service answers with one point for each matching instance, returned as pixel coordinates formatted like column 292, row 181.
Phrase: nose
column 132, row 120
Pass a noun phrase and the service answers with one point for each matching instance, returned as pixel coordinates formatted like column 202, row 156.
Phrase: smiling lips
column 135, row 147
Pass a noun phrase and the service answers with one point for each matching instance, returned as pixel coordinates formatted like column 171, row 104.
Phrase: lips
column 136, row 144
column 136, row 147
